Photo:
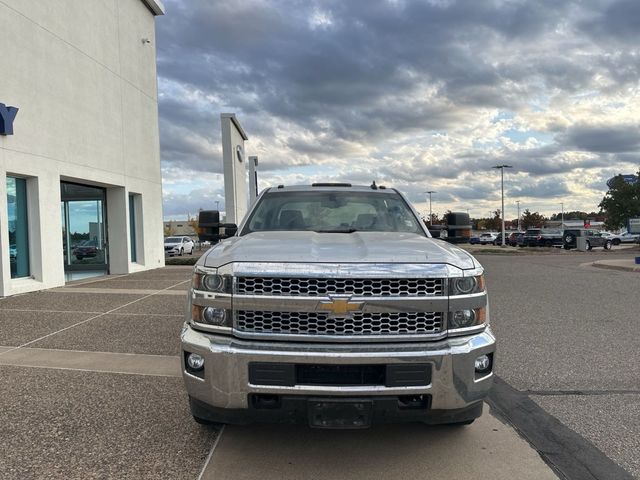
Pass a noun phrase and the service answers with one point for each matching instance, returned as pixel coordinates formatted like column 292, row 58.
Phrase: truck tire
column 588, row 245
column 607, row 245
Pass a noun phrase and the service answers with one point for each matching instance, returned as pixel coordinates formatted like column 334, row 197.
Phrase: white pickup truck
column 333, row 306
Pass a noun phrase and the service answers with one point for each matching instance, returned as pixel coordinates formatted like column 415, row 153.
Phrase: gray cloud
column 331, row 84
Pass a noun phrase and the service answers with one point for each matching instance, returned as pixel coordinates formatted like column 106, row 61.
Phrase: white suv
column 178, row 246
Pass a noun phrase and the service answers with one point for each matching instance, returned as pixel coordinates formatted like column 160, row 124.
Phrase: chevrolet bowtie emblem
column 340, row 306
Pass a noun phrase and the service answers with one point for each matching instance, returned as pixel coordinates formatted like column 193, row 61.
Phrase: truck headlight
column 210, row 315
column 466, row 285
column 467, row 318
column 211, row 281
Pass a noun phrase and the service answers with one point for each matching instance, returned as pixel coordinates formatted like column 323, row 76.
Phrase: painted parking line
column 106, row 362
column 488, row 449
column 90, row 313
column 119, row 291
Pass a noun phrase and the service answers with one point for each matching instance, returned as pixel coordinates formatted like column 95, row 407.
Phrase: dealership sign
column 7, row 116
column 633, row 225
column 630, row 179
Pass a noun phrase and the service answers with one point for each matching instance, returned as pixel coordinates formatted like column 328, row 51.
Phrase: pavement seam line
column 213, row 448
column 92, row 318
column 552, row 393
column 48, row 367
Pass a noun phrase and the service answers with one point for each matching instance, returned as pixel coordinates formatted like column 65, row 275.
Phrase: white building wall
column 85, row 84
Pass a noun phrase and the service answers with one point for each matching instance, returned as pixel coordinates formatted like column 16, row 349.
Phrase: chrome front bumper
column 454, row 383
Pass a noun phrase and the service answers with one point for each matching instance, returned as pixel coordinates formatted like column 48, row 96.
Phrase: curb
column 624, row 268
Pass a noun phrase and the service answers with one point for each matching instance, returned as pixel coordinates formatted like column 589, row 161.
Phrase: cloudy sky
column 419, row 95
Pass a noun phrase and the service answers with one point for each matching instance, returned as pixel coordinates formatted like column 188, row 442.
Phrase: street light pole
column 430, row 214
column 518, row 202
column 562, row 207
column 502, row 167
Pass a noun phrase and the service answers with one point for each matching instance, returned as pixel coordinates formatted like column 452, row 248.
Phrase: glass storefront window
column 132, row 228
column 18, row 227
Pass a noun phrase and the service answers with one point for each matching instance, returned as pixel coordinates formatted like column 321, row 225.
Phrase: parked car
column 513, row 238
column 488, row 237
column 537, row 237
column 625, row 237
column 87, row 249
column 593, row 239
column 178, row 246
column 475, row 240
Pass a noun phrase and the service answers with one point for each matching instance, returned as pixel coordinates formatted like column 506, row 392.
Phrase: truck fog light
column 482, row 363
column 214, row 316
column 463, row 318
column 196, row 362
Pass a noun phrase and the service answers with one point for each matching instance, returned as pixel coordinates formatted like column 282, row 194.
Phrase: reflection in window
column 18, row 227
column 132, row 228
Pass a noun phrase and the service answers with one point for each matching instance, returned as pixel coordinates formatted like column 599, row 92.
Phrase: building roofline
column 156, row 6
column 236, row 122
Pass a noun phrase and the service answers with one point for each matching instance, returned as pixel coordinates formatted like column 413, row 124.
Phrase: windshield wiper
column 337, row 230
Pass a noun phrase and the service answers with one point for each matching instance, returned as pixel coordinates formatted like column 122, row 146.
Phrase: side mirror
column 230, row 229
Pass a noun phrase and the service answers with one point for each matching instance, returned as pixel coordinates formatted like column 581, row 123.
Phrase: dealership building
column 80, row 193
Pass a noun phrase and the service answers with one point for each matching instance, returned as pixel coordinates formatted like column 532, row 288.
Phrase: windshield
column 173, row 240
column 332, row 212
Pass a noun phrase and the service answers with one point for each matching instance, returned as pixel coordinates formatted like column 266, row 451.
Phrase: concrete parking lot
column 91, row 388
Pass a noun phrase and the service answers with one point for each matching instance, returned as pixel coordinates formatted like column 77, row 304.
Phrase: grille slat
column 374, row 287
column 318, row 323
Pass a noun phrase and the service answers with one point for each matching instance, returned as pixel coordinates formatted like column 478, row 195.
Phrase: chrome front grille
column 358, row 324
column 312, row 287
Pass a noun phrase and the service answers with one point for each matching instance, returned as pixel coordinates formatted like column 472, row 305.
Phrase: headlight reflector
column 467, row 318
column 214, row 316
column 466, row 285
column 213, row 283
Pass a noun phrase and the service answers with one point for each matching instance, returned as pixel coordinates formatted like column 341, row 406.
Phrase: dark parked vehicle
column 537, row 237
column 593, row 239
column 514, row 239
column 475, row 240
column 87, row 249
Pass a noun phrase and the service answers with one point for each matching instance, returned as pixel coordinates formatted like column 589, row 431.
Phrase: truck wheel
column 588, row 245
column 567, row 247
column 607, row 245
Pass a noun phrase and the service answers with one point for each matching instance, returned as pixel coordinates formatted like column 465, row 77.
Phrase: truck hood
column 356, row 247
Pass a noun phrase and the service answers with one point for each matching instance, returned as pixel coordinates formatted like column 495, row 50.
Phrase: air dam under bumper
column 454, row 393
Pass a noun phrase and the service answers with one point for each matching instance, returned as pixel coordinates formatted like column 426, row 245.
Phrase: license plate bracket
column 339, row 413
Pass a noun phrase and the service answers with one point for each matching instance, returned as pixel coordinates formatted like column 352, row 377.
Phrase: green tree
column 532, row 219
column 621, row 202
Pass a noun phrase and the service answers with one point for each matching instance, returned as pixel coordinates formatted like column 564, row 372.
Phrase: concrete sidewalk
column 488, row 449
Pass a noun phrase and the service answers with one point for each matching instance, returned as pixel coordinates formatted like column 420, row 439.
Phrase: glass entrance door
column 83, row 229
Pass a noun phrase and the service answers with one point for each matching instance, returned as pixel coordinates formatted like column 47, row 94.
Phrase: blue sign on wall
column 630, row 179
column 7, row 116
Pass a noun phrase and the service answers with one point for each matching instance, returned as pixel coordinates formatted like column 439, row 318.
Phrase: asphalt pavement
column 568, row 341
